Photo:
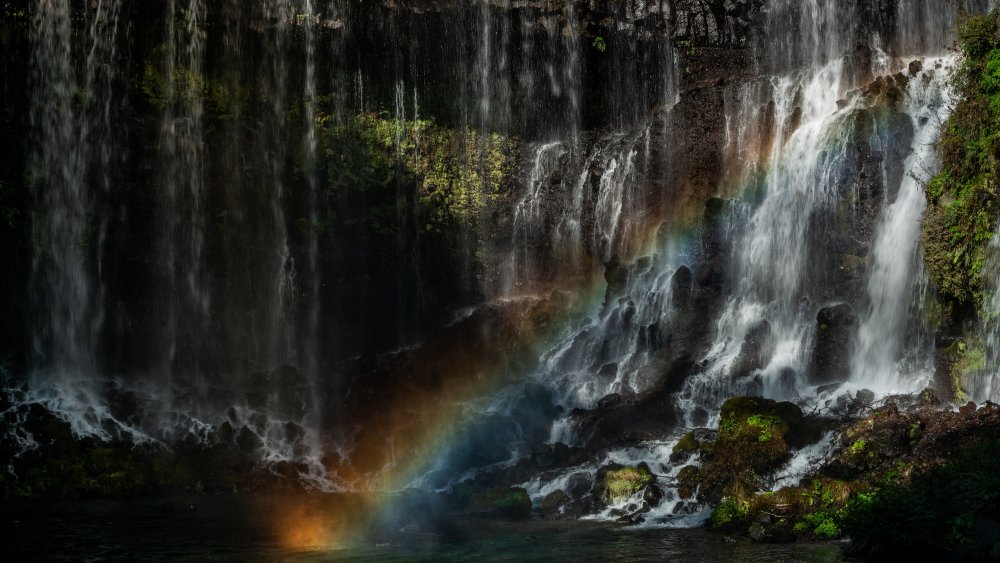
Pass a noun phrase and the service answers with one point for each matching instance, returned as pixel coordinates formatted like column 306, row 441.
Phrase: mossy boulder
column 688, row 480
column 685, row 448
column 553, row 501
column 616, row 483
column 753, row 440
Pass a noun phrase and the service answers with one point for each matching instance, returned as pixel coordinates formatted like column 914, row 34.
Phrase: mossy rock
column 753, row 440
column 553, row 501
column 616, row 483
column 688, row 444
column 737, row 413
column 755, row 430
column 687, row 481
column 966, row 360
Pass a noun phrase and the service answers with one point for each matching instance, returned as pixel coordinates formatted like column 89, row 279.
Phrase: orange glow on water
column 319, row 522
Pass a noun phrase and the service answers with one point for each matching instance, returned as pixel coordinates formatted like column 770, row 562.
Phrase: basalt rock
column 835, row 327
column 756, row 351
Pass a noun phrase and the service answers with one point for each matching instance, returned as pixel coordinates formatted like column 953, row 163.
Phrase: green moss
column 750, row 419
column 766, row 426
column 962, row 213
column 687, row 444
column 751, row 442
column 620, row 484
column 966, row 360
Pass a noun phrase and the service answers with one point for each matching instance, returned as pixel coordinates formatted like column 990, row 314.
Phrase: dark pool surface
column 238, row 529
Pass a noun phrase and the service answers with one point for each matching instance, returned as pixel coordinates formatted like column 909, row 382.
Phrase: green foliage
column 820, row 524
column 458, row 174
column 728, row 513
column 933, row 512
column 858, row 447
column 599, row 44
column 183, row 86
column 620, row 484
column 963, row 210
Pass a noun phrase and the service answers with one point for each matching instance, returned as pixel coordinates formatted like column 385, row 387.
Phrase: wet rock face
column 835, row 326
column 758, row 346
column 715, row 22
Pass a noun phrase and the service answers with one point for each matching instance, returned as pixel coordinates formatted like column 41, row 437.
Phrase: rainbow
column 419, row 424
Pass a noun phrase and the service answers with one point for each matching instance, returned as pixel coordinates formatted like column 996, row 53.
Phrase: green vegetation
column 752, row 420
column 468, row 496
column 727, row 513
column 858, row 447
column 751, row 442
column 458, row 174
column 620, row 484
column 599, row 44
column 963, row 210
column 935, row 509
column 184, row 87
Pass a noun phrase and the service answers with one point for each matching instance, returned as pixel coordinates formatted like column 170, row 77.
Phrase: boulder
column 831, row 352
column 579, row 485
column 756, row 351
column 616, row 483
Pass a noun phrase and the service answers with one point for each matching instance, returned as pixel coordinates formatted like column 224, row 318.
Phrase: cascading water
column 790, row 146
column 986, row 386
column 68, row 172
column 893, row 351
column 181, row 139
column 305, row 203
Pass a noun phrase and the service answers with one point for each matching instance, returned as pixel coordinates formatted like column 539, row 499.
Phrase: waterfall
column 206, row 245
column 72, row 112
column 893, row 351
column 181, row 146
column 986, row 385
column 806, row 199
column 778, row 257
column 790, row 135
